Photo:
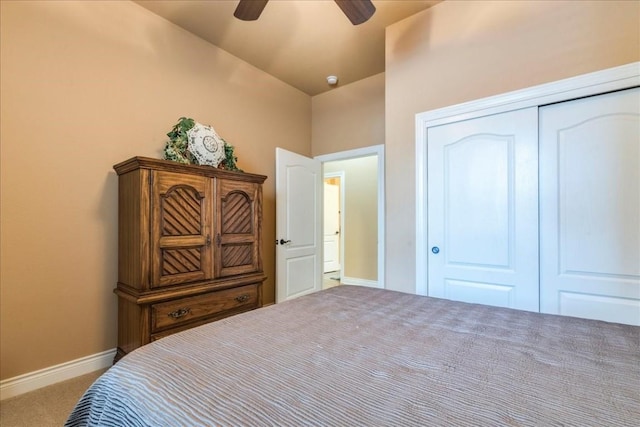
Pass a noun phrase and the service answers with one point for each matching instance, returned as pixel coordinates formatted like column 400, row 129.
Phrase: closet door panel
column 483, row 212
column 590, row 207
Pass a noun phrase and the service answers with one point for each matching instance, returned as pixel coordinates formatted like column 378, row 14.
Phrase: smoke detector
column 332, row 80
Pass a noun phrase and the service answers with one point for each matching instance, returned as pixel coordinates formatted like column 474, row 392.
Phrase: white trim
column 364, row 152
column 352, row 154
column 421, row 208
column 611, row 79
column 44, row 377
column 360, row 282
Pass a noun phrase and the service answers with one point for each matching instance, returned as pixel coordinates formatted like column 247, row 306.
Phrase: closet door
column 483, row 210
column 590, row 207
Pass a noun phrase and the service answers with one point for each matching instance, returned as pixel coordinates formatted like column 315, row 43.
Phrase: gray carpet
column 48, row 406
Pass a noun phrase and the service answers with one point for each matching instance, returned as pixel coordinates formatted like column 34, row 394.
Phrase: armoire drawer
column 191, row 309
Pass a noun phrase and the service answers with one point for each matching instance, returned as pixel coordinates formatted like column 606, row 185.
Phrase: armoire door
column 238, row 235
column 180, row 221
column 482, row 210
column 590, row 207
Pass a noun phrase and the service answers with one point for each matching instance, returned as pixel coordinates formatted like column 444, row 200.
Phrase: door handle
column 282, row 241
column 435, row 249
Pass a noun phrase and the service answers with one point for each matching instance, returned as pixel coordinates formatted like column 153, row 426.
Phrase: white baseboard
column 34, row 380
column 360, row 282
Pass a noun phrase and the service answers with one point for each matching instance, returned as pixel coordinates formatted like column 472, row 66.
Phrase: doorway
column 353, row 233
column 332, row 228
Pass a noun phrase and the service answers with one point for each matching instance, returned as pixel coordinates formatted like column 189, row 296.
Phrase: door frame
column 608, row 80
column 365, row 152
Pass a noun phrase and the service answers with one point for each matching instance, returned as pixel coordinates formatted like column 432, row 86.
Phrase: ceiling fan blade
column 358, row 11
column 249, row 10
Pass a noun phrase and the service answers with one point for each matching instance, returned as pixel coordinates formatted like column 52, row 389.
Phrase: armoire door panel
column 182, row 237
column 482, row 216
column 236, row 215
column 181, row 212
column 238, row 232
column 590, row 206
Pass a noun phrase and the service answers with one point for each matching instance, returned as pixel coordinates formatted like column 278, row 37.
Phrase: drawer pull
column 242, row 298
column 181, row 312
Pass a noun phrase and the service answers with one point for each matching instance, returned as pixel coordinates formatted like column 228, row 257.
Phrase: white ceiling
column 300, row 42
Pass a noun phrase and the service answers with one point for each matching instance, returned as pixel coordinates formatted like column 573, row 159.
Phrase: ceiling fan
column 358, row 11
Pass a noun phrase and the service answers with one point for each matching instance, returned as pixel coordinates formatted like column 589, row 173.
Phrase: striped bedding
column 354, row 356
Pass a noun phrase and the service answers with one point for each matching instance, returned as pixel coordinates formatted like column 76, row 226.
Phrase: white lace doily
column 205, row 145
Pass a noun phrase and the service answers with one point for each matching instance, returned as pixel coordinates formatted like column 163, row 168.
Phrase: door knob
column 435, row 249
column 282, row 241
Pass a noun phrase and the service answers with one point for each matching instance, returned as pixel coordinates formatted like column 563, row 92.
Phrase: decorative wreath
column 194, row 143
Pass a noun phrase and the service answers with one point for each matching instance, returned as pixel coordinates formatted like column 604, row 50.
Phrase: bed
column 356, row 356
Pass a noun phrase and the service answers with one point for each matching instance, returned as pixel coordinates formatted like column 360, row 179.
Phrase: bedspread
column 355, row 356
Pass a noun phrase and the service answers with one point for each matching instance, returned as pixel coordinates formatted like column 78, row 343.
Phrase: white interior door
column 331, row 227
column 483, row 210
column 298, row 225
column 590, row 207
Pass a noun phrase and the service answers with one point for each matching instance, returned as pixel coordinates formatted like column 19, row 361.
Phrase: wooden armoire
column 189, row 247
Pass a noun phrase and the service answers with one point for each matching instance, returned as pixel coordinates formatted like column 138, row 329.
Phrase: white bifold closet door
column 483, row 210
column 590, row 207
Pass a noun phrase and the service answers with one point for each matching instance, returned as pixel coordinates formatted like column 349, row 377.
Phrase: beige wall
column 459, row 51
column 349, row 117
column 85, row 85
column 360, row 215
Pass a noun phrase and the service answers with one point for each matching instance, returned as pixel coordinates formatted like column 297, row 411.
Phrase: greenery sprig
column 177, row 147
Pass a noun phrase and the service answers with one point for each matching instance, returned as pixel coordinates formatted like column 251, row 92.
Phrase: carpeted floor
column 48, row 406
column 331, row 279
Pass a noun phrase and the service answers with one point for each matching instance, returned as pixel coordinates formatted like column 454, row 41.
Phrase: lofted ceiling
column 300, row 42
